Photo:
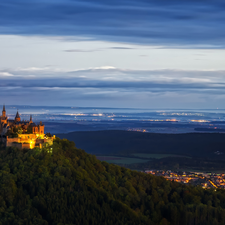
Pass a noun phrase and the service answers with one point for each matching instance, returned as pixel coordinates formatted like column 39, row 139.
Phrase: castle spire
column 17, row 118
column 31, row 119
column 17, row 114
column 3, row 111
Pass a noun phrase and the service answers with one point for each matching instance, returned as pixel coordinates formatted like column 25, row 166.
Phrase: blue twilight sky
column 113, row 53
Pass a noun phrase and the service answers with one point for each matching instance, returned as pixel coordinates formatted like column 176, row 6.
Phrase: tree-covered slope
column 69, row 186
column 122, row 142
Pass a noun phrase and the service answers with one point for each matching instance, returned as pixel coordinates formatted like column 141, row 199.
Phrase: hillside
column 122, row 142
column 69, row 186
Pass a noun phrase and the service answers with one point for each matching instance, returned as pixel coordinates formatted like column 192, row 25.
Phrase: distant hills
column 121, row 142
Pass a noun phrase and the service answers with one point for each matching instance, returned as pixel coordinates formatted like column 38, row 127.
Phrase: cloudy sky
column 114, row 53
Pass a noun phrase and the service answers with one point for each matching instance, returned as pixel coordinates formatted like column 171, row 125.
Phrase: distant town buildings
column 206, row 180
column 23, row 134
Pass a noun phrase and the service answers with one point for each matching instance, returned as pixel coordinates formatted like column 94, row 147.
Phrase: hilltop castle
column 22, row 134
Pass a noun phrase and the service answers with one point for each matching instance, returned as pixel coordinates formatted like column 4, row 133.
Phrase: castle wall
column 27, row 136
column 26, row 145
column 39, row 141
column 29, row 141
column 18, row 145
column 14, row 144
column 11, row 140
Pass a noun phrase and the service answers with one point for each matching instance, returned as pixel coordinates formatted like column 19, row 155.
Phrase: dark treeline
column 181, row 163
column 69, row 186
column 127, row 142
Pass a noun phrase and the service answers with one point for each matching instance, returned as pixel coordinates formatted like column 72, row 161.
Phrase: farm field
column 121, row 160
column 157, row 156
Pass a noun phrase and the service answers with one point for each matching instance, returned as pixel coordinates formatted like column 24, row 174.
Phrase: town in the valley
column 206, row 180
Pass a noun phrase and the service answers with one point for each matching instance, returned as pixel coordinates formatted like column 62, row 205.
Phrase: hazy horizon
column 59, row 119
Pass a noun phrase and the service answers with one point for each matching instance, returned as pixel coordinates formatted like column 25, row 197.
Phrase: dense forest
column 65, row 185
column 127, row 142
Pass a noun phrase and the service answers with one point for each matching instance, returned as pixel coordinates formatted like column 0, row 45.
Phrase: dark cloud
column 162, row 22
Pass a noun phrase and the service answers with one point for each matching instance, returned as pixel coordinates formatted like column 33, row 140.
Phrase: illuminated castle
column 22, row 134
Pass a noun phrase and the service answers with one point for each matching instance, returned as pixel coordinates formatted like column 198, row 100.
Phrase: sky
column 114, row 53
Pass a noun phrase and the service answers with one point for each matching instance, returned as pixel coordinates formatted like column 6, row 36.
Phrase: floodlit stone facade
column 23, row 134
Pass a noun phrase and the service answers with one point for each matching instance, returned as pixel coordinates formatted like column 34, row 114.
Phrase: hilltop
column 69, row 186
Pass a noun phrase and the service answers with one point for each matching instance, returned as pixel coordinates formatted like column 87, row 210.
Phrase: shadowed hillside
column 116, row 142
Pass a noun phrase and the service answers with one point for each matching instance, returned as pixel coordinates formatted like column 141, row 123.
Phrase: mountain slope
column 69, row 186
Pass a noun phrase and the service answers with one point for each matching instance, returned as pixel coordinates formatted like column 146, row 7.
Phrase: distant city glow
column 182, row 114
column 206, row 180
column 200, row 121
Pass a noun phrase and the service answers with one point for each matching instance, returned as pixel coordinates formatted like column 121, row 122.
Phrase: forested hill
column 122, row 142
column 69, row 186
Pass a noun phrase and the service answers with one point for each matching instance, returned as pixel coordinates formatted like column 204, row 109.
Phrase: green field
column 157, row 156
column 123, row 160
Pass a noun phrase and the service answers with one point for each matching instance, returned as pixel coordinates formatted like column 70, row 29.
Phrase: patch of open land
column 157, row 156
column 147, row 151
column 120, row 160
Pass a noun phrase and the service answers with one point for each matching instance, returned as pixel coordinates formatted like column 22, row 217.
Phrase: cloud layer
column 110, row 77
column 158, row 22
column 98, row 86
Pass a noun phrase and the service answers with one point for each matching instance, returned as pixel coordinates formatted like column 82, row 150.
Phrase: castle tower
column 3, row 112
column 17, row 118
column 31, row 119
column 41, row 128
column 3, row 119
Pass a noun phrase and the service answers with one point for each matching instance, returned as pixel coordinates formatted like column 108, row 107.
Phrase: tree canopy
column 68, row 186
